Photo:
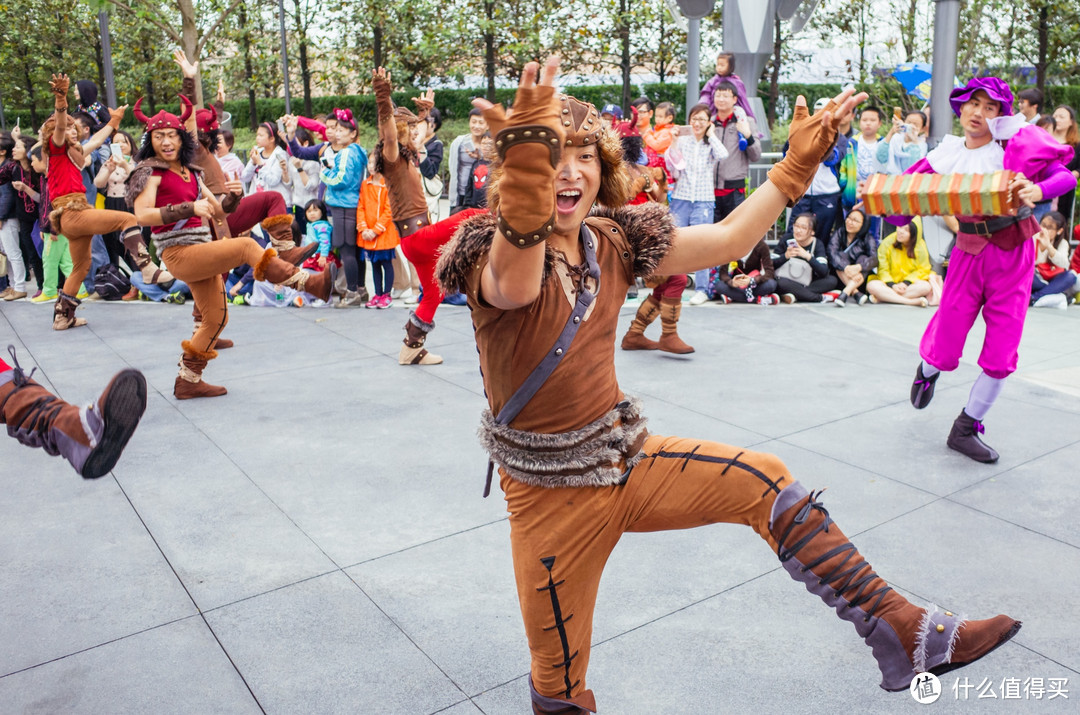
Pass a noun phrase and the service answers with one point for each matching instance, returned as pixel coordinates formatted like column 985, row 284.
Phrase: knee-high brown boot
column 189, row 382
column 635, row 337
column 136, row 246
column 906, row 639
column 279, row 272
column 413, row 351
column 64, row 312
column 90, row 438
column 279, row 229
column 670, row 309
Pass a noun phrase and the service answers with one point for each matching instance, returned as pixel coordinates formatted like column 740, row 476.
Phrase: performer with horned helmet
column 168, row 194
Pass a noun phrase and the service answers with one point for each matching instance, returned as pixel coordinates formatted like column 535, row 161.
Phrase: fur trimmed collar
column 142, row 173
column 648, row 229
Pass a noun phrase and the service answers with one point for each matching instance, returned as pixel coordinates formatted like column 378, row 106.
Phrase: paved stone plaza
column 316, row 540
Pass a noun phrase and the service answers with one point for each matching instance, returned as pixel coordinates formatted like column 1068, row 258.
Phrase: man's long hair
column 187, row 148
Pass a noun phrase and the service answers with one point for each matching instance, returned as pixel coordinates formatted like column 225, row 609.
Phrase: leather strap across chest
column 554, row 356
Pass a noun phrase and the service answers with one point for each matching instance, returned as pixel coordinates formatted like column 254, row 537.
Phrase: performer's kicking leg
column 90, row 438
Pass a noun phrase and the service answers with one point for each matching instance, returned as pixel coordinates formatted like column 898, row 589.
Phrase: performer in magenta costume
column 991, row 266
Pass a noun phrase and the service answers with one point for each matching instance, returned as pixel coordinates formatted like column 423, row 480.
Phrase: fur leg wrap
column 191, row 351
column 264, row 263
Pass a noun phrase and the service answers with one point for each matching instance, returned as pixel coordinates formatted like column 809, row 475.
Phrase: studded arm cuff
column 175, row 212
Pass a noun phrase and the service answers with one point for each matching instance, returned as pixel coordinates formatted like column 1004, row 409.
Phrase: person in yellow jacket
column 377, row 236
column 903, row 273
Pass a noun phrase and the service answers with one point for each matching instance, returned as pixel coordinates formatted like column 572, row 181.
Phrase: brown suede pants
column 561, row 538
column 201, row 266
column 79, row 227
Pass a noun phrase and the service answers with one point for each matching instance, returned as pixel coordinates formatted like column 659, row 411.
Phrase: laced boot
column 90, row 438
column 906, row 639
column 279, row 229
column 670, row 309
column 413, row 351
column 964, row 438
column 584, row 702
column 64, row 312
column 635, row 337
column 189, row 383
column 151, row 272
column 273, row 269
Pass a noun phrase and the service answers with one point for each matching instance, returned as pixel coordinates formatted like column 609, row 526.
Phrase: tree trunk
column 189, row 33
column 377, row 40
column 907, row 31
column 774, row 77
column 1044, row 40
column 623, row 29
column 305, row 76
column 99, row 60
column 148, row 91
column 30, row 95
column 253, row 115
column 489, row 48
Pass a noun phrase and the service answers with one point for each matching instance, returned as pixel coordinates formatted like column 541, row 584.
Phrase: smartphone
column 792, row 243
column 117, row 152
column 685, row 131
column 280, row 126
column 327, row 157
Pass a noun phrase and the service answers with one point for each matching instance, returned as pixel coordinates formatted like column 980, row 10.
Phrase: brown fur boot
column 64, row 312
column 189, row 382
column 413, row 351
column 273, row 269
column 670, row 309
column 635, row 337
column 279, row 228
column 906, row 639
column 90, row 438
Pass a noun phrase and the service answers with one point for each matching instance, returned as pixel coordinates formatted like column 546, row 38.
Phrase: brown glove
column 529, row 142
column 187, row 88
column 424, row 105
column 808, row 144
column 59, row 84
column 385, row 105
column 116, row 116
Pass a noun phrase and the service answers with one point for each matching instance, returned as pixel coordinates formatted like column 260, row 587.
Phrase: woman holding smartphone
column 691, row 160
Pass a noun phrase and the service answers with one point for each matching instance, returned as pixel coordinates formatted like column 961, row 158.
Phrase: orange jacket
column 373, row 211
column 659, row 138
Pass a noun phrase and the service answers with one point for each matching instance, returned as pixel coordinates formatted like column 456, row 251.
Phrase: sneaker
column 94, row 296
column 132, row 294
column 873, row 299
column 375, row 302
column 412, row 298
column 770, row 299
column 827, row 298
column 724, row 299
column 350, row 299
column 841, row 301
column 82, row 294
column 699, row 298
column 240, row 299
column 6, row 292
column 863, row 298
column 834, row 294
column 176, row 298
column 144, row 297
column 397, row 293
column 20, row 294
column 298, row 301
column 386, row 301
column 43, row 297
column 788, row 298
column 1057, row 300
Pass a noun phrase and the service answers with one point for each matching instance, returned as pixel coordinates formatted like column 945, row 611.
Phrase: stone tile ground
column 316, row 541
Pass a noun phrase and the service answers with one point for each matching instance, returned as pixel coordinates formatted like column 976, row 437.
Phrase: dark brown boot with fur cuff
column 189, row 383
column 413, row 351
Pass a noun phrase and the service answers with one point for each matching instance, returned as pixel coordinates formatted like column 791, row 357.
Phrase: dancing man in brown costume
column 546, row 275
column 168, row 194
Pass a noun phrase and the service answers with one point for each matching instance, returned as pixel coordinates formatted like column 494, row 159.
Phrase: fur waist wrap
column 182, row 237
column 67, row 202
column 597, row 455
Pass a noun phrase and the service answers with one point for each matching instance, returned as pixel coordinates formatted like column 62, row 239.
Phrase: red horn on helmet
column 138, row 112
column 187, row 108
column 213, row 114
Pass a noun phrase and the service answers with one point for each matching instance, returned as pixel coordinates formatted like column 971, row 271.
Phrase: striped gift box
column 940, row 194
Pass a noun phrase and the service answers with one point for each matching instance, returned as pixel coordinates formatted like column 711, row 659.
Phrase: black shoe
column 922, row 390
column 964, row 438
